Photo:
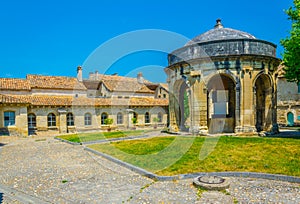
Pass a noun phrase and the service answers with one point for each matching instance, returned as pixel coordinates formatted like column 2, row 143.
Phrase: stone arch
column 221, row 104
column 181, row 104
column 263, row 90
column 290, row 118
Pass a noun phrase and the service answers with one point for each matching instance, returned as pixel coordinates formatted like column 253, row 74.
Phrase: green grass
column 180, row 155
column 86, row 137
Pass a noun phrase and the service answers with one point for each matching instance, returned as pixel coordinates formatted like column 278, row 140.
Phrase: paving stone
column 57, row 172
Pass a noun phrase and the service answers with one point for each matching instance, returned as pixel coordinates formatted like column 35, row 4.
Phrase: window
column 165, row 96
column 9, row 118
column 119, row 118
column 159, row 117
column 220, row 100
column 51, row 120
column 87, row 119
column 70, row 119
column 147, row 117
column 299, row 88
column 104, row 116
column 31, row 120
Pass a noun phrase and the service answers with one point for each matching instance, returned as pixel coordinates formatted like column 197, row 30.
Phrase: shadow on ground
column 288, row 134
column 1, row 198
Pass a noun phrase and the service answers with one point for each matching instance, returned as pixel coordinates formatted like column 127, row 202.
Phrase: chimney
column 79, row 73
column 96, row 75
column 140, row 78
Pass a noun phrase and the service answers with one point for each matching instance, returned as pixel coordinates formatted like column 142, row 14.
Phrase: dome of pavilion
column 220, row 33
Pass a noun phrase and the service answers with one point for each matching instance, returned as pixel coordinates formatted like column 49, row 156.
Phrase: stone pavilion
column 223, row 81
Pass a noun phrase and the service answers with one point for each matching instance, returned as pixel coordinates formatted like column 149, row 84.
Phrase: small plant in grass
column 200, row 191
column 108, row 121
column 134, row 121
column 155, row 120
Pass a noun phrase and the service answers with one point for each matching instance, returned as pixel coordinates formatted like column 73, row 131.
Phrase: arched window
column 9, row 118
column 159, row 117
column 147, row 117
column 119, row 118
column 70, row 119
column 135, row 115
column 31, row 120
column 104, row 116
column 87, row 119
column 51, row 120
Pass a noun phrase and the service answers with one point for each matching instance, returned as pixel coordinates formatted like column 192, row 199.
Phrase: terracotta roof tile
column 4, row 99
column 47, row 100
column 14, row 84
column 165, row 86
column 125, row 84
column 55, row 82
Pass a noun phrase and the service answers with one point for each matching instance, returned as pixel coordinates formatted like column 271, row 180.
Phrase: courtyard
column 46, row 170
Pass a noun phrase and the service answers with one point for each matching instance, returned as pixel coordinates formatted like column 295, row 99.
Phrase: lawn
column 180, row 155
column 86, row 137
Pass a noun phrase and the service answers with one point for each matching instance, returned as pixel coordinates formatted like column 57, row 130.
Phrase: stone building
column 223, row 81
column 56, row 104
column 288, row 101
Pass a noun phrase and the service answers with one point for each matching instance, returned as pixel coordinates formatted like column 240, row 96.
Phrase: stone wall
column 20, row 128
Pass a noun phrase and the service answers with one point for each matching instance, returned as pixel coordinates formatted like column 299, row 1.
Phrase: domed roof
column 220, row 33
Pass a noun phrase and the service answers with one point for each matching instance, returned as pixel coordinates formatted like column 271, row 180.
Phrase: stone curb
column 153, row 176
column 66, row 141
column 104, row 140
column 116, row 139
column 131, row 167
column 20, row 196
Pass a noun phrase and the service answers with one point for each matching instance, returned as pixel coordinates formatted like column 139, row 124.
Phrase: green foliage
column 291, row 44
column 156, row 120
column 134, row 120
column 108, row 121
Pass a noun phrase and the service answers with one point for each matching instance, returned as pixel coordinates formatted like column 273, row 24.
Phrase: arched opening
column 263, row 103
column 70, row 119
column 104, row 116
column 290, row 119
column 51, row 120
column 182, row 105
column 31, row 119
column 119, row 118
column 221, row 99
column 87, row 119
column 147, row 117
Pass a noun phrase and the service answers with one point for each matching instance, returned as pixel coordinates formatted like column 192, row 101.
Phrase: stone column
column 275, row 128
column 62, row 121
column 237, row 107
column 247, row 101
column 200, row 106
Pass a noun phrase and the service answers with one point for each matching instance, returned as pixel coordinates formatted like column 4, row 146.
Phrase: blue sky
column 54, row 37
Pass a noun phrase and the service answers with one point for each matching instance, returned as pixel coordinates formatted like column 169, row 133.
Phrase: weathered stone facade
column 223, row 81
column 54, row 105
column 288, row 101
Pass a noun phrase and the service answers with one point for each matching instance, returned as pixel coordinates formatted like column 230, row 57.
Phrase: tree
column 291, row 44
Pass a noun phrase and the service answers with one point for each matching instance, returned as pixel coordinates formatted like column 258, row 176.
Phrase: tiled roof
column 89, row 84
column 4, row 99
column 165, row 86
column 124, row 84
column 14, row 84
column 55, row 82
column 47, row 100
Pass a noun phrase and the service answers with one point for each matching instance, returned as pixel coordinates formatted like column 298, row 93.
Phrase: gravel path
column 51, row 171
